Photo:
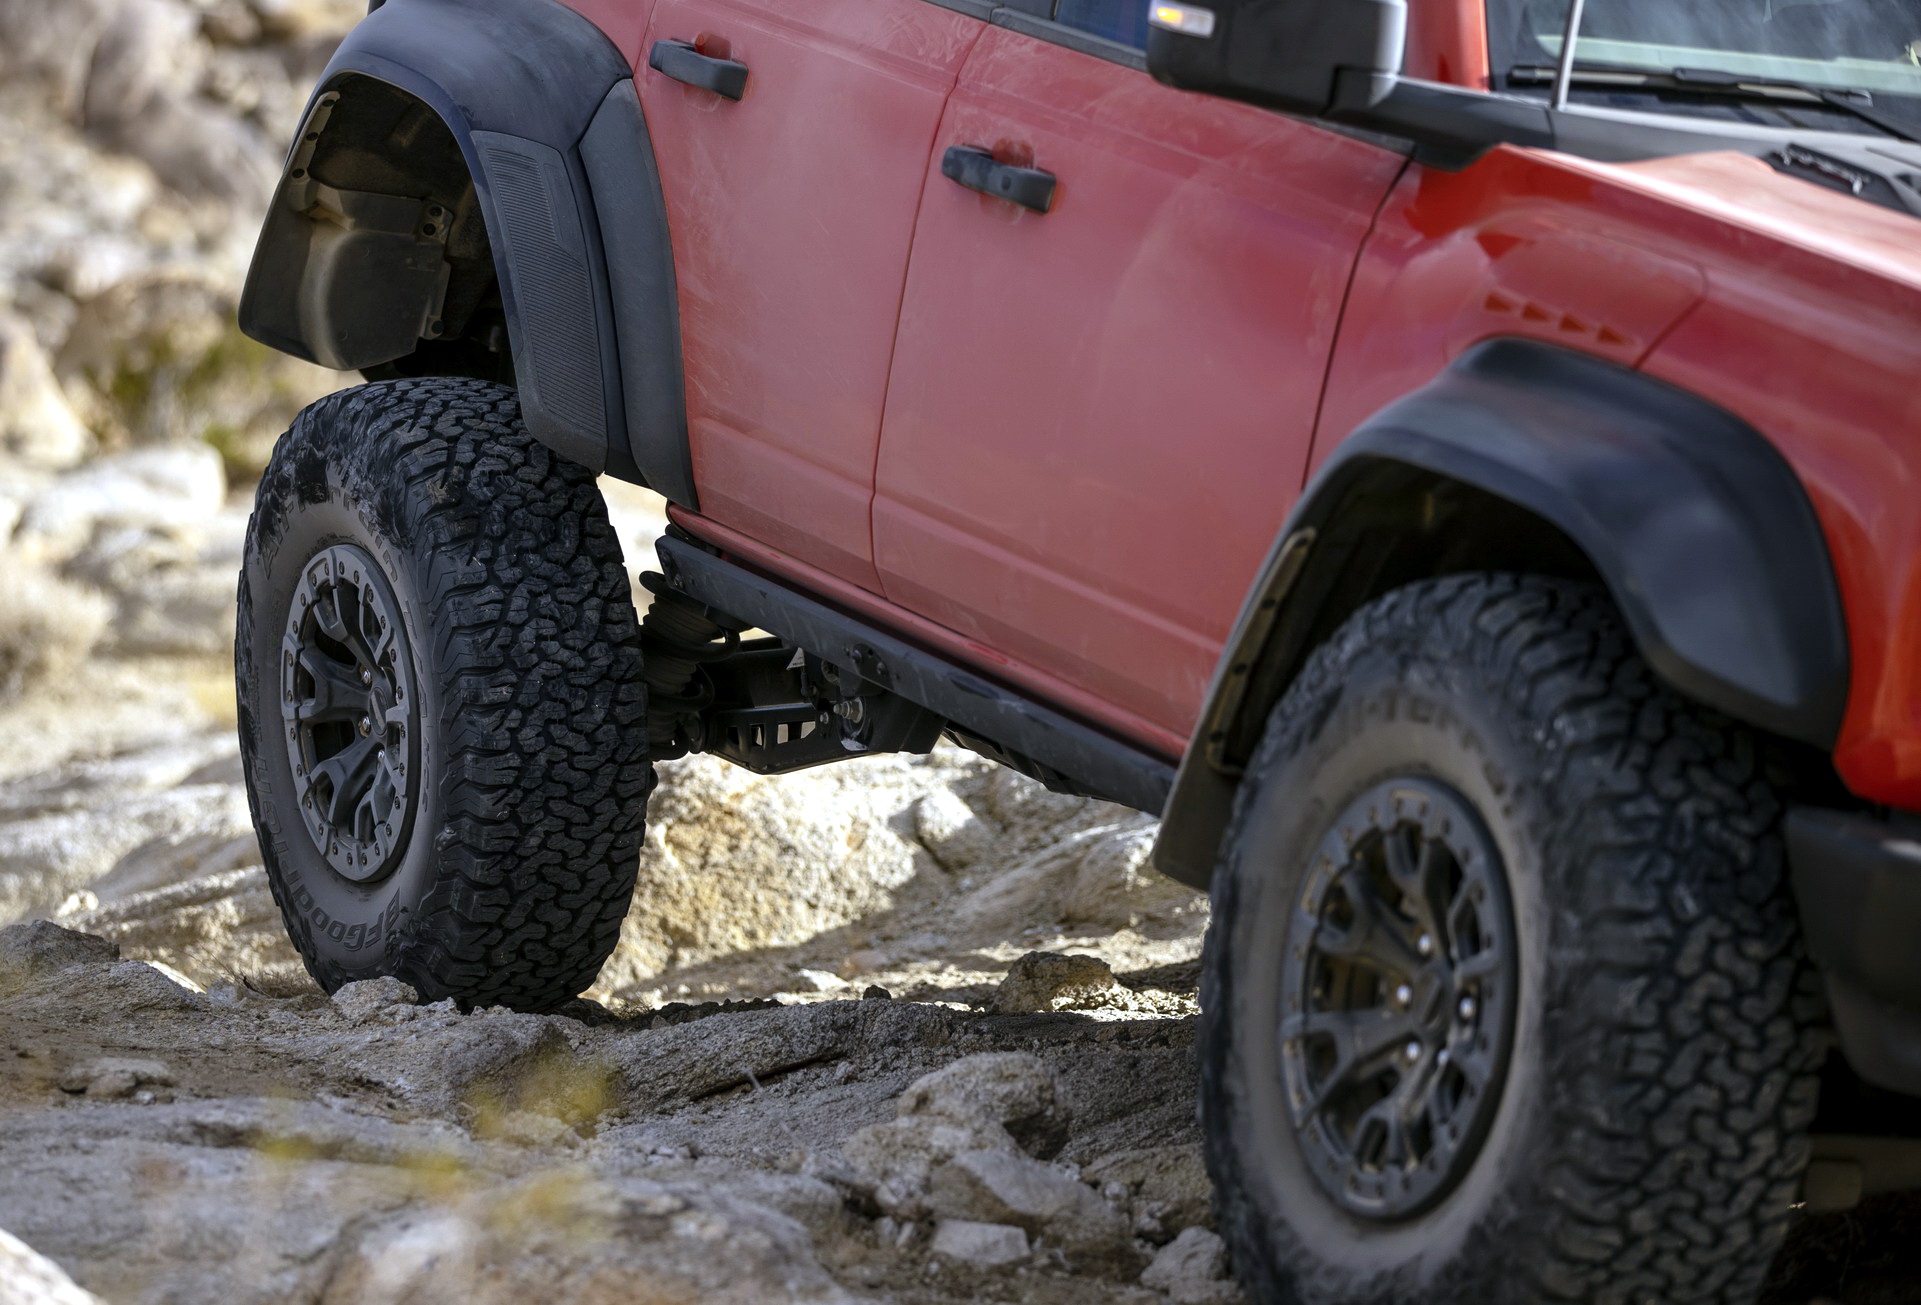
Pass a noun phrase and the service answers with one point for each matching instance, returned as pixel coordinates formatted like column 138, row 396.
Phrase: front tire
column 1505, row 999
column 442, row 718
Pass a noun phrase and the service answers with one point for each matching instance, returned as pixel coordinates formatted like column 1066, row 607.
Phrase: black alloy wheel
column 1398, row 998
column 352, row 711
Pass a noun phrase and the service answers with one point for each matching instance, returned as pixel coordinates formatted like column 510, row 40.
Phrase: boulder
column 152, row 489
column 737, row 862
column 369, row 999
column 979, row 1245
column 47, row 626
column 37, row 427
column 1003, row 1187
column 999, row 1101
column 1050, row 981
column 1011, row 1090
column 30, row 1278
column 1192, row 1270
column 572, row 1236
column 115, row 1076
column 39, row 947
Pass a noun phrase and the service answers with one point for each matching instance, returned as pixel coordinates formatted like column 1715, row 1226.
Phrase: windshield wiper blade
column 1705, row 81
column 1858, row 103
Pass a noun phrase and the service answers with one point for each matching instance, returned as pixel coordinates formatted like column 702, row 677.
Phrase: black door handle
column 978, row 170
column 683, row 63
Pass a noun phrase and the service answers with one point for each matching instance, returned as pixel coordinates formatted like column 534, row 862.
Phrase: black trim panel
column 1104, row 765
column 1071, row 37
column 1701, row 530
column 618, row 155
column 532, row 92
column 1857, row 879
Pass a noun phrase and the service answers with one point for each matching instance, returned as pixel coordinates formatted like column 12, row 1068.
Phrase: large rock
column 1050, row 981
column 572, row 1236
column 1192, row 1270
column 154, row 489
column 30, row 1278
column 46, row 626
column 208, row 928
column 979, row 1245
column 996, row 1186
column 172, row 584
column 37, row 427
column 38, row 948
column 739, row 862
column 122, row 846
column 991, row 1102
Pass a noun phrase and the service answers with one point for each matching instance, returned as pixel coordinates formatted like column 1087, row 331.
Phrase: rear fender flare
column 544, row 111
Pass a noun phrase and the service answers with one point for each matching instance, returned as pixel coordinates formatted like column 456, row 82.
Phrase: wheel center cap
column 349, row 704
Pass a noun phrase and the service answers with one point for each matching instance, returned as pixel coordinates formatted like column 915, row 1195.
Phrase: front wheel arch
column 1530, row 459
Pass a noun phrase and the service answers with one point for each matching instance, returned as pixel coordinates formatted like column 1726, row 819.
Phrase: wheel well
column 377, row 255
column 1386, row 525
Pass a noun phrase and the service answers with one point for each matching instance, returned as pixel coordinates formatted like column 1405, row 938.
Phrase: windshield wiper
column 1707, row 81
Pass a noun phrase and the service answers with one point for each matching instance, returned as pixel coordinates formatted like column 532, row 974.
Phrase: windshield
column 1868, row 45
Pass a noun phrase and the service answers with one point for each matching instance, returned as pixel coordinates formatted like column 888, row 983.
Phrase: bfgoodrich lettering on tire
column 441, row 709
column 1504, row 1000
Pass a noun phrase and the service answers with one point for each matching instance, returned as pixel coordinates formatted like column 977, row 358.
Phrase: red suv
column 1457, row 460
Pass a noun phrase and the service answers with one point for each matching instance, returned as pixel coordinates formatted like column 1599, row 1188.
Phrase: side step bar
column 1115, row 770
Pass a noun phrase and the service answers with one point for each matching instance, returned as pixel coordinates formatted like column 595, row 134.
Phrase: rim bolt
column 1403, row 995
column 1424, row 944
column 366, row 675
column 366, row 726
column 1467, row 1008
column 1441, row 1056
column 1412, row 1052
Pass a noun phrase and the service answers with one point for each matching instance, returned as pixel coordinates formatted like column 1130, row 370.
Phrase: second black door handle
column 979, row 170
column 682, row 62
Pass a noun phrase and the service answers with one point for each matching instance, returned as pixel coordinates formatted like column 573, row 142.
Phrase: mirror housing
column 1306, row 57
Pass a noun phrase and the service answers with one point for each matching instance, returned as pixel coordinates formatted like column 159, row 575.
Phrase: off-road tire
column 531, row 775
column 1649, row 1138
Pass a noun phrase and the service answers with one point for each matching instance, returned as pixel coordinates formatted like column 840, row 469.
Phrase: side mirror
column 1307, row 57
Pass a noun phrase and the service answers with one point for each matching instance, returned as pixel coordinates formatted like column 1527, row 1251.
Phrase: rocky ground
column 905, row 1029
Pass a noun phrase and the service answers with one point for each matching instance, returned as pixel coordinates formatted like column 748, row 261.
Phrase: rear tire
column 442, row 717
column 1483, row 844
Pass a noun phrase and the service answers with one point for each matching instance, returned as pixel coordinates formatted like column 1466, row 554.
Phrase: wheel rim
column 1398, row 999
column 349, row 702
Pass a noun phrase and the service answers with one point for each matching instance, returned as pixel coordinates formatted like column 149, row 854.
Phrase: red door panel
column 1099, row 417
column 792, row 211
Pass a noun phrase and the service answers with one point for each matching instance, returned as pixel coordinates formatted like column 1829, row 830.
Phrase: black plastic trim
column 519, row 84
column 618, row 155
column 1857, row 879
column 1071, row 37
column 1701, row 530
column 1104, row 765
column 981, row 9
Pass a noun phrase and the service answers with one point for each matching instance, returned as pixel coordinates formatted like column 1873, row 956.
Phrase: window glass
column 1870, row 45
column 1124, row 21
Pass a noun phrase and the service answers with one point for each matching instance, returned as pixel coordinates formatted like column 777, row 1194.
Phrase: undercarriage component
column 762, row 703
column 1033, row 736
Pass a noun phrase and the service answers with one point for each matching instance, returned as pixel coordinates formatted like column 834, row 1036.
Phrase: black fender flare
column 544, row 110
column 1698, row 526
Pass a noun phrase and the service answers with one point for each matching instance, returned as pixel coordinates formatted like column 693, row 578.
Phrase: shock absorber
column 678, row 638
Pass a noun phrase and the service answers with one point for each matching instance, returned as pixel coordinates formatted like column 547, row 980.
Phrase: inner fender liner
column 1699, row 527
column 518, row 84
